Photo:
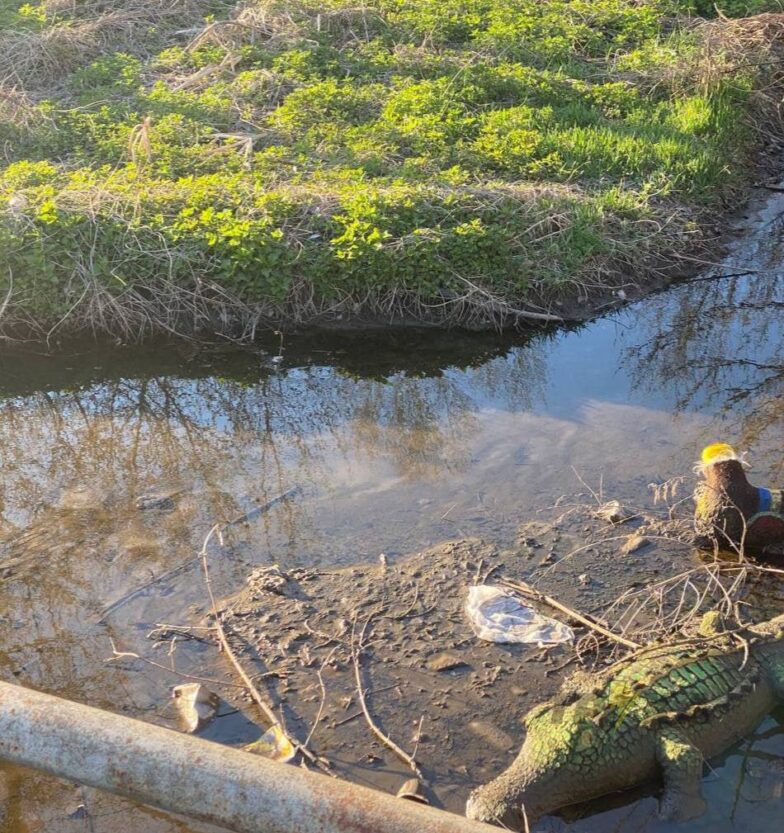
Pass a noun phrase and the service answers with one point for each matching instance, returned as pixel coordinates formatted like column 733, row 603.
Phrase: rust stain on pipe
column 199, row 779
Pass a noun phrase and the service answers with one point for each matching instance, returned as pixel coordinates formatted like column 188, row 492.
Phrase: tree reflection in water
column 719, row 346
column 229, row 439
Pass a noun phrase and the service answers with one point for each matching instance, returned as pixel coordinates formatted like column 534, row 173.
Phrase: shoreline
column 254, row 325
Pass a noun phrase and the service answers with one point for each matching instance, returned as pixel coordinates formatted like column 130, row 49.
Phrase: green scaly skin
column 657, row 715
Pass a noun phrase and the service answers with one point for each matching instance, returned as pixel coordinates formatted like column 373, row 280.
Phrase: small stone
column 634, row 543
column 613, row 512
column 445, row 661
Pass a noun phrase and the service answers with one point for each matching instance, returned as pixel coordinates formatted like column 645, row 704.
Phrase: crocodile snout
column 503, row 814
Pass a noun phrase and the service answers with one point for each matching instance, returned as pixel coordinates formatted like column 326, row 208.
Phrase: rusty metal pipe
column 205, row 781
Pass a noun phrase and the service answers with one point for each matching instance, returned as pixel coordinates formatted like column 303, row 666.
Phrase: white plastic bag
column 496, row 616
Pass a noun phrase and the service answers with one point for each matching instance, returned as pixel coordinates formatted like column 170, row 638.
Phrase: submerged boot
column 730, row 512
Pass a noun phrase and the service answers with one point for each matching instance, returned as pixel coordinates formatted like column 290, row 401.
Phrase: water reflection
column 720, row 347
column 225, row 439
column 719, row 344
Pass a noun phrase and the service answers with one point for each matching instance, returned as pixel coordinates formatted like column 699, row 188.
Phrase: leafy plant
column 404, row 155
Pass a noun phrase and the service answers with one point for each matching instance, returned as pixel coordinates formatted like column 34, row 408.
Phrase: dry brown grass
column 80, row 33
column 75, row 34
column 17, row 108
column 282, row 21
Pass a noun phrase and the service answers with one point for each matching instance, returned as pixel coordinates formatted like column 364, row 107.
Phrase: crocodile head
column 556, row 767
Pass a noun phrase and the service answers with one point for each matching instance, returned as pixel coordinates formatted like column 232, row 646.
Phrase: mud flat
column 451, row 700
column 421, row 666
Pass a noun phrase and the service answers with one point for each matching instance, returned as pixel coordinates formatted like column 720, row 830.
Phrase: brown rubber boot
column 730, row 512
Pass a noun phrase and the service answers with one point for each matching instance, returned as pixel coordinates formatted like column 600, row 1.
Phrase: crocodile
column 730, row 512
column 657, row 714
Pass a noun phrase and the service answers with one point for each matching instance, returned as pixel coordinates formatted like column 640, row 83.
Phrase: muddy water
column 396, row 441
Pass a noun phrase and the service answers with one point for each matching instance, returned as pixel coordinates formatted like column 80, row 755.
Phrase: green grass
column 291, row 158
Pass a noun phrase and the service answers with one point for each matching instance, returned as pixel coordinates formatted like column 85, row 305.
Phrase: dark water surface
column 397, row 441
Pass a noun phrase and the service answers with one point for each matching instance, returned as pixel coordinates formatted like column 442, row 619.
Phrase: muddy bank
column 422, row 665
column 451, row 700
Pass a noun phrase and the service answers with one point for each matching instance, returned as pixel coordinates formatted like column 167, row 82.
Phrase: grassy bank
column 199, row 163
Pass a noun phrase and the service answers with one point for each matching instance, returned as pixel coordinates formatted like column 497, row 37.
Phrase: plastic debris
column 411, row 790
column 273, row 744
column 196, row 706
column 497, row 616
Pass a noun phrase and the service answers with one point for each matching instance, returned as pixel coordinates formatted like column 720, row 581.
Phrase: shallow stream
column 397, row 441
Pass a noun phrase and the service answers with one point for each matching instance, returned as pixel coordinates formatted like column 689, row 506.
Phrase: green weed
column 403, row 156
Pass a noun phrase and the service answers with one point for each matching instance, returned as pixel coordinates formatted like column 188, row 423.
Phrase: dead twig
column 348, row 719
column 590, row 623
column 258, row 511
column 320, row 676
column 256, row 696
column 357, row 646
column 132, row 655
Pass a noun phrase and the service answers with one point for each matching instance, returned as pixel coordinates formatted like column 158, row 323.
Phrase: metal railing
column 199, row 779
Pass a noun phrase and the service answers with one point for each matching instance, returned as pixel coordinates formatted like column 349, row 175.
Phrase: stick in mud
column 527, row 590
column 255, row 694
column 357, row 645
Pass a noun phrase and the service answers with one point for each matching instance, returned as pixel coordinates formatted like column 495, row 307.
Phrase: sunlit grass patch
column 447, row 160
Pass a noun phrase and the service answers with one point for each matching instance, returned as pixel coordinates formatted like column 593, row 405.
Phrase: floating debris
column 196, row 706
column 273, row 744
